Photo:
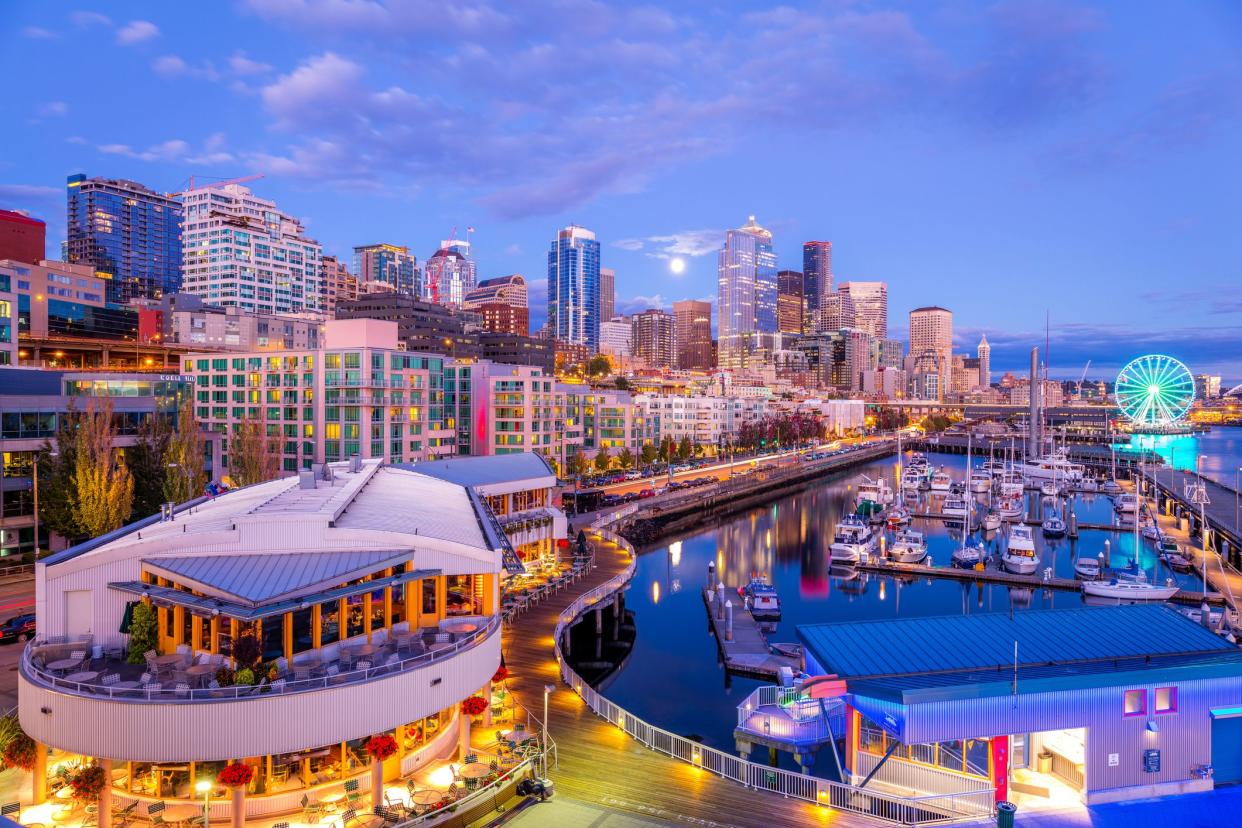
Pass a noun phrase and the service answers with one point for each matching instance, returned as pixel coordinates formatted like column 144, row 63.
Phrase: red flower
column 87, row 783
column 474, row 706
column 236, row 775
column 381, row 747
column 20, row 752
column 500, row 675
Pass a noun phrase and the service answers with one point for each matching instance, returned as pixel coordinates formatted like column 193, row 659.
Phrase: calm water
column 672, row 677
column 1220, row 448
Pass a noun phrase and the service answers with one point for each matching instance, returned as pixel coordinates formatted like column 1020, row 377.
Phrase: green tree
column 57, row 460
column 146, row 460
column 183, row 473
column 602, row 461
column 625, row 460
column 103, row 489
column 668, row 450
column 684, row 449
column 621, row 384
column 649, row 454
column 254, row 455
column 578, row 462
column 142, row 634
column 599, row 366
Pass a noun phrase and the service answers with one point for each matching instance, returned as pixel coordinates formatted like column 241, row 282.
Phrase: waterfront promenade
column 600, row 764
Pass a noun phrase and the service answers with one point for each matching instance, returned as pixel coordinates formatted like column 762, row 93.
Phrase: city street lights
column 548, row 690
column 204, row 787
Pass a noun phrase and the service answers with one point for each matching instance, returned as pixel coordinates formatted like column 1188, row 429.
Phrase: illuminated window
column 1166, row 699
column 1136, row 703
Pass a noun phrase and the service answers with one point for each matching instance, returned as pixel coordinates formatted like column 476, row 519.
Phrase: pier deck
column 748, row 654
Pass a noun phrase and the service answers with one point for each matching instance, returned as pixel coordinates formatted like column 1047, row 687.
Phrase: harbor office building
column 1086, row 704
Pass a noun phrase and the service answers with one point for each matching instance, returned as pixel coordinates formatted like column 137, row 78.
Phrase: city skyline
column 1093, row 170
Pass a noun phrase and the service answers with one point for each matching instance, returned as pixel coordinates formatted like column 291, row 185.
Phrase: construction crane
column 1082, row 379
column 226, row 181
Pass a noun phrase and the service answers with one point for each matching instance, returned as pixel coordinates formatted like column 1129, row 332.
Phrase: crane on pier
column 243, row 179
column 1082, row 379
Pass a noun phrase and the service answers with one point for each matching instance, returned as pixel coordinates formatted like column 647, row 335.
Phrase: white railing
column 900, row 773
column 784, row 713
column 166, row 694
column 934, row 809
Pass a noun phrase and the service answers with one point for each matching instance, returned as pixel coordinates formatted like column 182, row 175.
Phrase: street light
column 203, row 786
column 548, row 690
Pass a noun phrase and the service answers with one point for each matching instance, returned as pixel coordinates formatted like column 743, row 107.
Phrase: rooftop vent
column 355, row 463
column 306, row 479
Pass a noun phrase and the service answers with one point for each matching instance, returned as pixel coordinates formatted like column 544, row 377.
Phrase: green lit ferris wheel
column 1155, row 391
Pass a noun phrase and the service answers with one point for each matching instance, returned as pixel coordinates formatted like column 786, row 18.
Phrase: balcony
column 333, row 697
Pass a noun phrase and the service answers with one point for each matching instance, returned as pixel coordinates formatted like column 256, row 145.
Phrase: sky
column 1015, row 162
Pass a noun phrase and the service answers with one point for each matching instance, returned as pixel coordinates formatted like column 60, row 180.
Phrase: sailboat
column 969, row 554
column 1111, row 486
column 1131, row 584
column 1053, row 525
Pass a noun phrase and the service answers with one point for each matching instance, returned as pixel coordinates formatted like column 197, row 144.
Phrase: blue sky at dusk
column 1001, row 160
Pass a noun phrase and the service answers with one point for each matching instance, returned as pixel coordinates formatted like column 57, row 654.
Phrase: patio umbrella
column 582, row 547
column 127, row 619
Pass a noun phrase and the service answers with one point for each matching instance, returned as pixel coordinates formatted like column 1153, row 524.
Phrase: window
column 1136, row 703
column 1166, row 699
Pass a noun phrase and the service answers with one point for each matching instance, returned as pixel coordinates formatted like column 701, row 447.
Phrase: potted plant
column 379, row 747
column 244, row 676
column 20, row 751
column 474, row 706
column 88, row 783
column 143, row 635
column 236, row 776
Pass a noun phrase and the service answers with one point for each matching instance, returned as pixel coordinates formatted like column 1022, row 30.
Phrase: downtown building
column 128, row 234
column 23, row 238
column 358, row 394
column 336, row 282
column 790, row 302
column 746, row 290
column 183, row 319
column 616, row 338
column 240, row 250
column 931, row 352
column 693, row 335
column 869, row 301
column 816, row 281
column 607, row 293
column 387, row 267
column 654, row 341
column 574, row 288
column 706, row 420
column 502, row 304
column 451, row 274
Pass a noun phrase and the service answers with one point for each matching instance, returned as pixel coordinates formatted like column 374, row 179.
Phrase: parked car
column 645, row 493
column 19, row 628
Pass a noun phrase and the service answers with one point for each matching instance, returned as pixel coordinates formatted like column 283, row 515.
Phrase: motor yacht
column 762, row 599
column 1126, row 502
column 955, row 508
column 1019, row 555
column 1053, row 526
column 941, row 481
column 853, row 541
column 909, row 547
column 875, row 490
column 991, row 521
column 1010, row 508
column 1087, row 569
column 1055, row 466
column 980, row 481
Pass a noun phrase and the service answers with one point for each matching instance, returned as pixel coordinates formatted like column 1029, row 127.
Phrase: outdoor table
column 170, row 660
column 331, row 800
column 182, row 813
column 475, row 770
column 428, row 797
column 63, row 664
column 460, row 628
column 64, row 792
column 82, row 676
column 199, row 671
column 311, row 664
column 363, row 650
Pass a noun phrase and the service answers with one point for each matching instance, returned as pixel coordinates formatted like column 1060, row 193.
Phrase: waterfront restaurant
column 364, row 595
column 1082, row 705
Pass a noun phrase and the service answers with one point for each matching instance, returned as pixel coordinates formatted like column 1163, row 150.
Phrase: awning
column 205, row 606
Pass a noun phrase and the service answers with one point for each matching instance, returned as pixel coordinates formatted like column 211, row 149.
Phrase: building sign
column 1151, row 760
column 1114, row 759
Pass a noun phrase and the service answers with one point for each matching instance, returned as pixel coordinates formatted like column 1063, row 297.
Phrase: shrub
column 142, row 632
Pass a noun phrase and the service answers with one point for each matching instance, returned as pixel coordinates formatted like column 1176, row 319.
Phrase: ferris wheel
column 1155, row 391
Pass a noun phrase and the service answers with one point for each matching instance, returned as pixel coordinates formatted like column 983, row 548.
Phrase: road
column 16, row 597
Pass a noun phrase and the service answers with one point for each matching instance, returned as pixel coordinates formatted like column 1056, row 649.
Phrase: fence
column 933, row 809
column 784, row 713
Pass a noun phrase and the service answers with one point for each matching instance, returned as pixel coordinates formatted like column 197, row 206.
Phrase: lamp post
column 548, row 690
column 203, row 786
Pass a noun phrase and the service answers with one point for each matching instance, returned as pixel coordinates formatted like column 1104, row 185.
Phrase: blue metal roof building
column 1129, row 701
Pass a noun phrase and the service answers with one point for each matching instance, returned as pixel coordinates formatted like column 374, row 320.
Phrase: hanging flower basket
column 20, row 752
column 236, row 775
column 88, row 783
column 381, row 747
column 474, row 706
column 500, row 675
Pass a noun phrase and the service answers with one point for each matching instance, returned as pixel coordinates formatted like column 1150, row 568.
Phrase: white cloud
column 635, row 304
column 38, row 33
column 172, row 66
column 514, row 250
column 242, row 65
column 54, row 109
column 175, row 149
column 77, row 139
column 136, row 31
column 629, row 244
column 86, row 19
column 320, row 80
column 684, row 243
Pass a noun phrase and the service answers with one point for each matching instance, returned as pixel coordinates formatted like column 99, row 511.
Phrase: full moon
column 677, row 265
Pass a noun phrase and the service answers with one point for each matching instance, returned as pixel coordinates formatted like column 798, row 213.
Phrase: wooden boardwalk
column 600, row 764
column 748, row 654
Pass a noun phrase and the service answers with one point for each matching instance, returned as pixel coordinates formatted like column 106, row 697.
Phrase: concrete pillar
column 105, row 796
column 487, row 714
column 38, row 775
column 238, row 811
column 728, row 620
column 720, row 600
column 711, row 575
column 463, row 733
column 377, row 784
column 599, row 621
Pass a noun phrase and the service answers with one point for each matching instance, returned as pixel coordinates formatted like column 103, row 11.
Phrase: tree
column 668, row 450
column 621, row 384
column 599, row 366
column 254, row 456
column 684, row 449
column 56, row 466
column 183, row 473
column 578, row 463
column 103, row 489
column 649, row 454
column 625, row 460
column 142, row 632
column 602, row 460
column 147, row 460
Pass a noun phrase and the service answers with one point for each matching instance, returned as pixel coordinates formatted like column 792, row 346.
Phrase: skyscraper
column 984, row 352
column 931, row 337
column 892, row 353
column 790, row 303
column 816, row 281
column 129, row 234
column 387, row 266
column 450, row 274
column 607, row 293
column 241, row 251
column 870, row 301
column 836, row 311
column 506, row 290
column 693, row 335
column 336, row 282
column 654, row 339
column 573, row 288
column 746, row 273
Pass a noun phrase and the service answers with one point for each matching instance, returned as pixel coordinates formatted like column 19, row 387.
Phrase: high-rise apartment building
column 746, row 273
column 450, row 275
column 500, row 317
column 506, row 290
column 607, row 293
column 574, row 288
column 655, row 339
column 22, row 238
column 892, row 353
column 693, row 335
column 616, row 338
column 836, row 311
column 336, row 282
column 240, row 250
column 387, row 267
column 984, row 353
column 870, row 301
column 790, row 302
column 129, row 234
column 931, row 335
column 852, row 356
column 817, row 281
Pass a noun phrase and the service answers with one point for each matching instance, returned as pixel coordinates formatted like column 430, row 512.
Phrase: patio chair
column 280, row 825
column 362, row 666
column 311, row 811
column 90, row 815
column 391, row 816
column 301, row 674
column 278, row 686
column 470, row 758
column 12, row 809
column 182, row 690
column 352, row 794
column 122, row 817
column 347, row 659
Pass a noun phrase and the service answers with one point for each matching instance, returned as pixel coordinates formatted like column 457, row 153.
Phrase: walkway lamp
column 548, row 690
column 203, row 786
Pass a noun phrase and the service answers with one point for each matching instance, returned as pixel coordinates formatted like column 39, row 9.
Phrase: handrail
column 929, row 809
column 166, row 695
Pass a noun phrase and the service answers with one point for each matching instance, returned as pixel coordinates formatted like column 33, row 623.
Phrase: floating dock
column 746, row 652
